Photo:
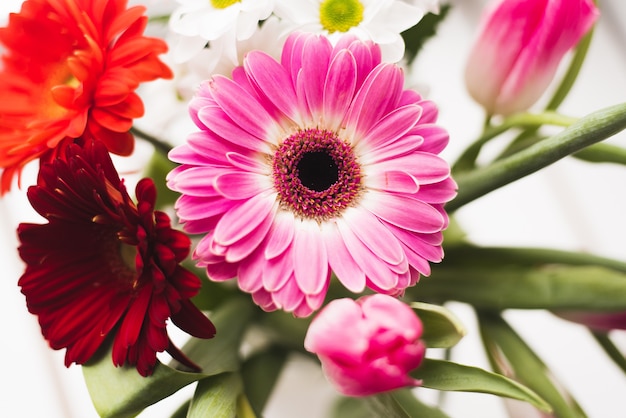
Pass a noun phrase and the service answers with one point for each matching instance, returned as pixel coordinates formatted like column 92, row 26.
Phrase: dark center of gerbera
column 317, row 170
column 316, row 174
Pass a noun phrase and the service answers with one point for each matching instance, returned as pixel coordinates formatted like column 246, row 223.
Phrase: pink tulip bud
column 367, row 346
column 597, row 321
column 520, row 47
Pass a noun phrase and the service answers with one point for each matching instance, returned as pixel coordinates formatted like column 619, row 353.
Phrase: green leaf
column 260, row 373
column 221, row 353
column 122, row 392
column 449, row 376
column 496, row 279
column 181, row 412
column 586, row 131
column 509, row 354
column 416, row 37
column 244, row 409
column 442, row 329
column 216, row 396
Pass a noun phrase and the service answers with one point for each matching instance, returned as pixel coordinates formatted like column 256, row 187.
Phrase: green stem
column 467, row 160
column 584, row 132
column 528, row 136
column 572, row 72
column 508, row 286
column 525, row 278
column 260, row 372
column 610, row 349
column 528, row 256
column 602, row 153
column 161, row 146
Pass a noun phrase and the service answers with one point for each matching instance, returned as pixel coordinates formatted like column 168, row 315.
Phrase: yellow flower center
column 340, row 15
column 222, row 4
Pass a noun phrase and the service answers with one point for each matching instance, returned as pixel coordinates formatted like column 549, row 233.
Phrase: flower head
column 103, row 266
column 212, row 60
column 520, row 47
column 367, row 346
column 198, row 21
column 319, row 162
column 69, row 70
column 380, row 21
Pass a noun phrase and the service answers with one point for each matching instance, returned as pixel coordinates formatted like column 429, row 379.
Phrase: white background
column 571, row 205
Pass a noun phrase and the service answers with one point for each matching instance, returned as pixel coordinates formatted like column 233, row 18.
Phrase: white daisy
column 381, row 21
column 269, row 38
column 197, row 22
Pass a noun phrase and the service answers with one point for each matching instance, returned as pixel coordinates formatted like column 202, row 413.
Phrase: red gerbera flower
column 70, row 69
column 103, row 265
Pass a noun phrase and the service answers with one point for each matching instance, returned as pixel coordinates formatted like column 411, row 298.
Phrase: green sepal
column 414, row 406
column 346, row 407
column 442, row 329
column 449, row 376
column 399, row 403
column 508, row 353
column 385, row 405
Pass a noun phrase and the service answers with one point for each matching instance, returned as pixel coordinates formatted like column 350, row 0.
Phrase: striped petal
column 404, row 212
column 273, row 80
column 310, row 258
column 242, row 219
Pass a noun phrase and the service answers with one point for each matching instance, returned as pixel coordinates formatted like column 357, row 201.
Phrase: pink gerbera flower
column 320, row 162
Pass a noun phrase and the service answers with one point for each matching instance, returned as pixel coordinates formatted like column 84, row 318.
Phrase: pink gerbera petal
column 308, row 244
column 325, row 178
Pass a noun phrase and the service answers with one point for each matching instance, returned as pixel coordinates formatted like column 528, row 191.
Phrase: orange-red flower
column 70, row 68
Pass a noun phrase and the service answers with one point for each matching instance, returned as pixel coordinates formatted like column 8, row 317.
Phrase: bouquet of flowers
column 296, row 199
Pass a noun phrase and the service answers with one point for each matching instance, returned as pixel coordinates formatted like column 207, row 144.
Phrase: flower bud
column 519, row 48
column 367, row 346
column 597, row 321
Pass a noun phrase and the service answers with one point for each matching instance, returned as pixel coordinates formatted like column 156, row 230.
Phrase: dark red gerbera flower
column 70, row 69
column 104, row 265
